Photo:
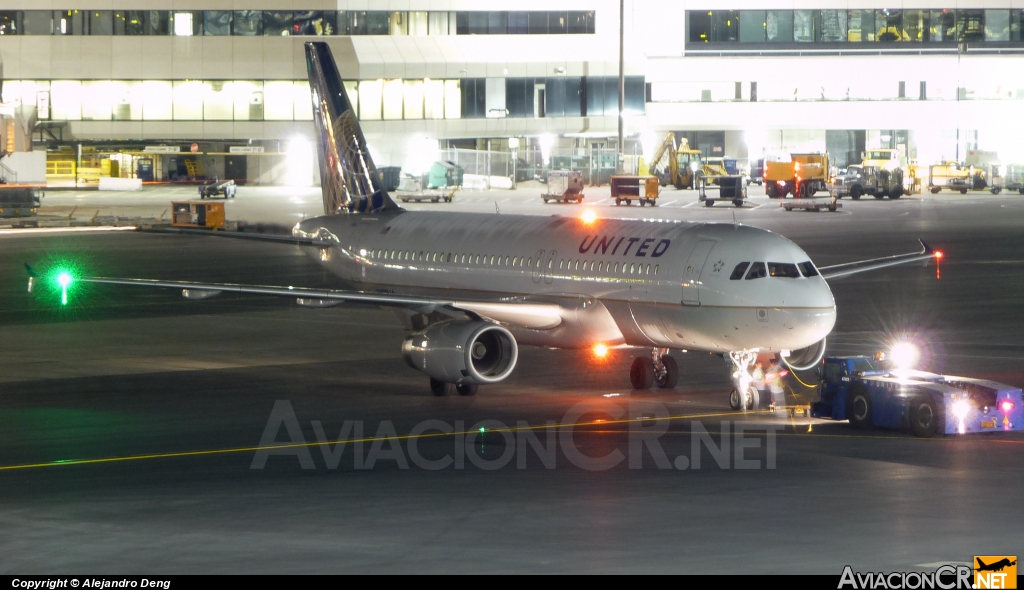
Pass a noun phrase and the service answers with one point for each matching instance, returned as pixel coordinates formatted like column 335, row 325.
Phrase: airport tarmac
column 172, row 397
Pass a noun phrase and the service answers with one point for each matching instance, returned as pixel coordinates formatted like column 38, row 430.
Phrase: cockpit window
column 737, row 273
column 783, row 270
column 808, row 269
column 757, row 271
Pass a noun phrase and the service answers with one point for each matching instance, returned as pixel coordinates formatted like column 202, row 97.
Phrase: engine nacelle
column 805, row 359
column 462, row 352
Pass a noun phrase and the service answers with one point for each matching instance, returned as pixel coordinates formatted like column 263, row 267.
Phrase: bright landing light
column 903, row 355
column 600, row 350
column 588, row 217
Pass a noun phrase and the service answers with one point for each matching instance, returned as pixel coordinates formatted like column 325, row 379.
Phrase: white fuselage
column 636, row 282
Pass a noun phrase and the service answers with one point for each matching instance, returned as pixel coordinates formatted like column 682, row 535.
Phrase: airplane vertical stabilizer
column 348, row 178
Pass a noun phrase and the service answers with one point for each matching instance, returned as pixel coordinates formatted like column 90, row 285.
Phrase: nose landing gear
column 743, row 395
column 659, row 368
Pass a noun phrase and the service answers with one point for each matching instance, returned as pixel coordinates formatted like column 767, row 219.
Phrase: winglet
column 925, row 248
column 31, row 273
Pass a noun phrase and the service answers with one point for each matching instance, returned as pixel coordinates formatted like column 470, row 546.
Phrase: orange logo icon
column 995, row 571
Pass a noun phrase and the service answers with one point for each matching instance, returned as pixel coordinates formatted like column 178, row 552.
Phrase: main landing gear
column 440, row 388
column 743, row 395
column 659, row 368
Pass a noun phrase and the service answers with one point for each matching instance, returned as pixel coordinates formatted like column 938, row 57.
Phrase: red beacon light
column 1006, row 406
column 939, row 255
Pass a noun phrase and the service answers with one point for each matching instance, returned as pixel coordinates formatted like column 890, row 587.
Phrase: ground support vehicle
column 564, row 186
column 812, row 204
column 757, row 172
column 732, row 187
column 226, row 188
column 627, row 188
column 889, row 167
column 197, row 215
column 428, row 196
column 957, row 177
column 18, row 202
column 682, row 167
column 1014, row 179
column 801, row 176
column 860, row 389
column 860, row 180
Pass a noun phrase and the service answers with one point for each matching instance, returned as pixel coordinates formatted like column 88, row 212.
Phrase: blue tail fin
column 348, row 178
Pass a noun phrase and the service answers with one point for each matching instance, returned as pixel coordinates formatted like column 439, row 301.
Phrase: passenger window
column 632, row 268
column 783, row 270
column 655, row 269
column 529, row 261
column 648, row 269
column 737, row 273
column 808, row 270
column 515, row 261
column 449, row 257
column 492, row 260
column 616, row 267
column 600, row 267
column 561, row 264
column 477, row 259
column 757, row 271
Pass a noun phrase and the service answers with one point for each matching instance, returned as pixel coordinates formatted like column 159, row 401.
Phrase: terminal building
column 180, row 89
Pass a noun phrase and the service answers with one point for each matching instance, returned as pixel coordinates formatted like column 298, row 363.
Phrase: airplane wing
column 838, row 271
column 258, row 237
column 533, row 315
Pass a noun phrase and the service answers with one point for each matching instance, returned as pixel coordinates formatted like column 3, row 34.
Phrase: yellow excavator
column 683, row 164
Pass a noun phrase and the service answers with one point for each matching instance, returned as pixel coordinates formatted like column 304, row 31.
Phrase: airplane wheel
column 466, row 388
column 641, row 373
column 924, row 418
column 440, row 388
column 738, row 402
column 858, row 408
column 671, row 375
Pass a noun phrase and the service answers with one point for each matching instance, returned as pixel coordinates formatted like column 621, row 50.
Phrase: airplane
column 471, row 287
column 994, row 567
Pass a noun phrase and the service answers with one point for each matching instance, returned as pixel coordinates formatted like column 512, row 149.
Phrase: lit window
column 515, row 261
column 183, row 24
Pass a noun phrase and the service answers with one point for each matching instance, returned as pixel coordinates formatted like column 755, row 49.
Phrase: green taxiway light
column 481, row 430
column 64, row 279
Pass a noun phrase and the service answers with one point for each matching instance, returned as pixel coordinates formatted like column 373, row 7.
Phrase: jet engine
column 463, row 351
column 805, row 358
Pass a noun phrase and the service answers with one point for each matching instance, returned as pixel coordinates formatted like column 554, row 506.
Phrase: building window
column 247, row 23
column 862, row 26
column 833, row 26
column 37, row 22
column 779, row 26
column 970, row 25
column 217, row 22
column 805, row 27
column 725, row 26
column 752, row 26
column 942, row 25
column 277, row 23
column 997, row 25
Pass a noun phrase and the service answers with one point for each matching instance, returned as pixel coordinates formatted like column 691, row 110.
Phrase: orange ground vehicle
column 801, row 176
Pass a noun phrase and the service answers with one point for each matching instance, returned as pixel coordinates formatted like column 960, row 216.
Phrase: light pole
column 622, row 85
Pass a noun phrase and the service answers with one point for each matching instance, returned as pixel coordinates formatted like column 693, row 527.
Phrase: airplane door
column 549, row 271
column 691, row 273
column 537, row 265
